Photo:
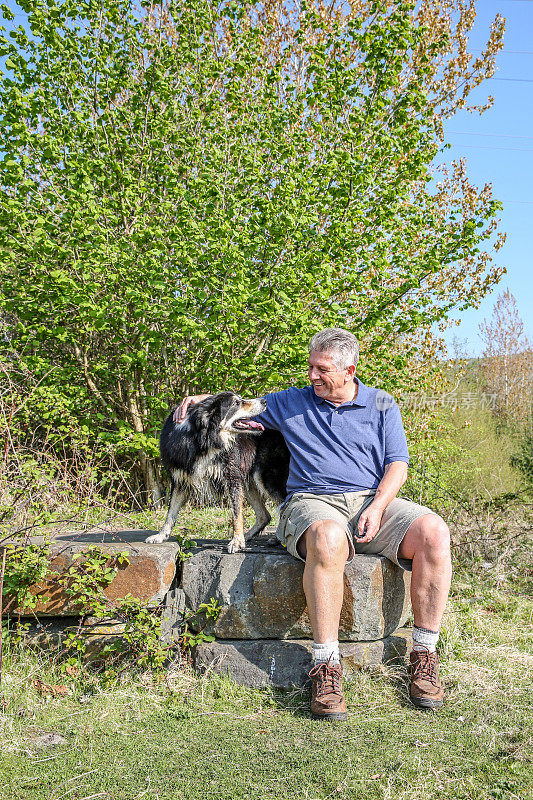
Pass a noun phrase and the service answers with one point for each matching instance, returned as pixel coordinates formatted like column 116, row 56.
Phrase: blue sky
column 498, row 146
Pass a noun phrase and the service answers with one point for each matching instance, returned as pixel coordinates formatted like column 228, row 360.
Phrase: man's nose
column 314, row 373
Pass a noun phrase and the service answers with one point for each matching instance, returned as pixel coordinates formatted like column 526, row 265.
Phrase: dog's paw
column 236, row 544
column 157, row 538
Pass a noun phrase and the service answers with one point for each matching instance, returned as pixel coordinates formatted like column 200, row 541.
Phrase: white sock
column 326, row 651
column 424, row 639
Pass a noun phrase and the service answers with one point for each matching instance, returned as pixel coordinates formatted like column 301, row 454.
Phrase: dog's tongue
column 252, row 424
column 248, row 424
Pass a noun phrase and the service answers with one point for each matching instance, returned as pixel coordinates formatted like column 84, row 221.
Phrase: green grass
column 210, row 738
column 203, row 737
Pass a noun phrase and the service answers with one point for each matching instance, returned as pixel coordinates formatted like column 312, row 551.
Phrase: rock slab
column 51, row 634
column 148, row 576
column 261, row 594
column 286, row 663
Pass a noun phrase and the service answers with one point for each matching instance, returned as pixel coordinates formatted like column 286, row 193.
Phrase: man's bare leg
column 427, row 543
column 325, row 548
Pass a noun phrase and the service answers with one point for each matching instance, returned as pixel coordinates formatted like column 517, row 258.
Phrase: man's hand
column 369, row 523
column 393, row 478
column 181, row 412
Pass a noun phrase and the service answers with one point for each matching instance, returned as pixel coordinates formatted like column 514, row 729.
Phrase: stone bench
column 261, row 594
column 284, row 663
column 263, row 635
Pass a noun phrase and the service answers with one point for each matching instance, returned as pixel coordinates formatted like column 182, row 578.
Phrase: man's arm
column 393, row 479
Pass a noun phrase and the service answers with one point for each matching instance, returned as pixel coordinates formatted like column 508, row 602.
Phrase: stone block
column 286, row 663
column 52, row 635
column 173, row 615
column 261, row 594
column 148, row 576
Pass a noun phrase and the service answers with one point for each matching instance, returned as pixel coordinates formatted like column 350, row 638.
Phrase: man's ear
column 351, row 373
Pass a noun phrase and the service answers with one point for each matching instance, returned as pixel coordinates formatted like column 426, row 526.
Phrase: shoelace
column 329, row 681
column 426, row 666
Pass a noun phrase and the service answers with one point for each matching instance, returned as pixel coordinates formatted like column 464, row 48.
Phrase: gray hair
column 340, row 344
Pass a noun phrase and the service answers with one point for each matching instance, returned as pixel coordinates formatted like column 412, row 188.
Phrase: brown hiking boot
column 327, row 699
column 425, row 689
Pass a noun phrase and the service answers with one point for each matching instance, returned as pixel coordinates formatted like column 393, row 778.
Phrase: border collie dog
column 218, row 452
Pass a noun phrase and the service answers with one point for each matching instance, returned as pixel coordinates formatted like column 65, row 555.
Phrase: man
column 348, row 461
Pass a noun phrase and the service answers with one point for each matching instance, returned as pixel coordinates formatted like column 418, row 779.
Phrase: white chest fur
column 205, row 478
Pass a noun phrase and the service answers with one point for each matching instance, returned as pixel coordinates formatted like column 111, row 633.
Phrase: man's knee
column 433, row 537
column 325, row 542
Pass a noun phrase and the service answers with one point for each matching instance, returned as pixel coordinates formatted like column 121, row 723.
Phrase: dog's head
column 227, row 414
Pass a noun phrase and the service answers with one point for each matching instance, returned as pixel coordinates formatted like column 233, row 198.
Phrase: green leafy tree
column 189, row 190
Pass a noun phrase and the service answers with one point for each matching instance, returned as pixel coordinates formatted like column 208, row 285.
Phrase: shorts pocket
column 285, row 526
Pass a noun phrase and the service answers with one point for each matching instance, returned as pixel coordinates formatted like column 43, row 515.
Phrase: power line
column 490, row 147
column 514, row 80
column 504, row 135
column 506, row 52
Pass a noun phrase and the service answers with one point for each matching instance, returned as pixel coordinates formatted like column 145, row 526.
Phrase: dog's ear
column 201, row 413
column 212, row 410
column 226, row 406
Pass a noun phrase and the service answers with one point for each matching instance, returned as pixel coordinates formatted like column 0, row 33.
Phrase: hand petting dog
column 181, row 411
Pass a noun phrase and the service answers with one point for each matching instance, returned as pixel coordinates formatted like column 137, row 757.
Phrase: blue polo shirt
column 336, row 449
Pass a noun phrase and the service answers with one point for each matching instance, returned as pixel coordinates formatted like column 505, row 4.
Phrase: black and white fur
column 218, row 452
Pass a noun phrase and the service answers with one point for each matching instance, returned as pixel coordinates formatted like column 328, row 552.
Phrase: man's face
column 327, row 380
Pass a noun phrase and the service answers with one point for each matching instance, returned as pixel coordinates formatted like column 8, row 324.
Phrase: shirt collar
column 361, row 399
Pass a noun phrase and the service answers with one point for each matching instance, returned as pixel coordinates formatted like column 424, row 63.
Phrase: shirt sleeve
column 271, row 417
column 395, row 441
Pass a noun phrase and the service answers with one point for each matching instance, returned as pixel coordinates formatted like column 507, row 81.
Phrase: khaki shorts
column 303, row 509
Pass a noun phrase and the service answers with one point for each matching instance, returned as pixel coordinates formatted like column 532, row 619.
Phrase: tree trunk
column 152, row 486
